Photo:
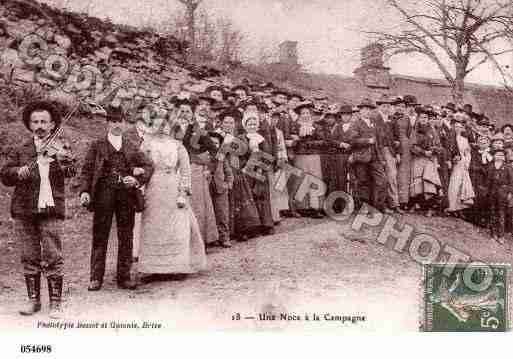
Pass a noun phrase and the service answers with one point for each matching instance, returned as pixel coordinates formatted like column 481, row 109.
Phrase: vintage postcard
column 271, row 165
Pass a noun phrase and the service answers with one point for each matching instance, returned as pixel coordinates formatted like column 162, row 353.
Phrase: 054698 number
column 36, row 348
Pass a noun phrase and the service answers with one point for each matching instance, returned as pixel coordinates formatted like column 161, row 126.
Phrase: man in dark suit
column 370, row 168
column 136, row 133
column 37, row 174
column 220, row 188
column 112, row 170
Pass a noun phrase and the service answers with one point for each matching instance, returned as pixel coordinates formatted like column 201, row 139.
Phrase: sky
column 327, row 30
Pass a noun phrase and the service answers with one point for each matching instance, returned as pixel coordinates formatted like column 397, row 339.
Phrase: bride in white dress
column 170, row 237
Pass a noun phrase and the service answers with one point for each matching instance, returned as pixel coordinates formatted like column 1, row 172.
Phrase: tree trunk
column 192, row 33
column 458, row 87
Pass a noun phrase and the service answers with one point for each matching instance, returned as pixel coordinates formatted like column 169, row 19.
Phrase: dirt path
column 310, row 266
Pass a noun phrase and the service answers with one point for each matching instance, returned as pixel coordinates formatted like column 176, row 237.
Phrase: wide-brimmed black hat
column 267, row 86
column 248, row 102
column 38, row 106
column 397, row 100
column 189, row 102
column 280, row 92
column 320, row 97
column 206, row 97
column 211, row 88
column 278, row 112
column 467, row 108
column 302, row 105
column 332, row 113
column 346, row 110
column 219, row 106
column 231, row 112
column 384, row 100
column 295, row 94
column 425, row 110
column 459, row 118
column 484, row 121
column 240, row 87
column 450, row 106
column 476, row 116
column 367, row 103
column 410, row 100
column 256, row 101
column 173, row 100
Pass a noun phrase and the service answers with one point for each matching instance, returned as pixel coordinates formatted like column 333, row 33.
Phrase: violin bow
column 56, row 133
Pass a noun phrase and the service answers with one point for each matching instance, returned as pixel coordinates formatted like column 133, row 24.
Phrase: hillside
column 82, row 57
column 75, row 55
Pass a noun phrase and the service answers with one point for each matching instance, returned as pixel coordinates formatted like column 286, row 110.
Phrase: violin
column 58, row 148
column 55, row 146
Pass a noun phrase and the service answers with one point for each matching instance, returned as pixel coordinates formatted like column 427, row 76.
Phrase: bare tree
column 457, row 35
column 230, row 42
column 218, row 40
column 191, row 6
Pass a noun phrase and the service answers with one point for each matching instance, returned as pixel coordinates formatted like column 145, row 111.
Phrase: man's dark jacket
column 26, row 192
column 95, row 157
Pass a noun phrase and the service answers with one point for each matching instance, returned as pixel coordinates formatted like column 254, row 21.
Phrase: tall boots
column 55, row 294
column 33, row 282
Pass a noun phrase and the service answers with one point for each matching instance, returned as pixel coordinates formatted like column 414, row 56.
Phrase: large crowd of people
column 175, row 190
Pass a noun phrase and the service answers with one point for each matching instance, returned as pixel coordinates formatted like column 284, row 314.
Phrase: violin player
column 37, row 170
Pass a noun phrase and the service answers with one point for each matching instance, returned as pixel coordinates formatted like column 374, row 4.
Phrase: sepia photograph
column 277, row 166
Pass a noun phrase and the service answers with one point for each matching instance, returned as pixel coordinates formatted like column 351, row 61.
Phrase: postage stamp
column 466, row 298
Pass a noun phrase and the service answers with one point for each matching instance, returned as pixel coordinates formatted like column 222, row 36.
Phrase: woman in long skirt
column 201, row 151
column 425, row 180
column 461, row 193
column 171, row 241
column 258, row 181
column 307, row 157
column 279, row 196
column 245, row 221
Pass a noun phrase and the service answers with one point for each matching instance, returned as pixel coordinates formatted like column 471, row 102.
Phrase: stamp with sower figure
column 466, row 298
